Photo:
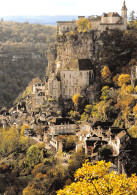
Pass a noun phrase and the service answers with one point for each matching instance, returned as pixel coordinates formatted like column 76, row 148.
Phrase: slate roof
column 85, row 64
column 79, row 64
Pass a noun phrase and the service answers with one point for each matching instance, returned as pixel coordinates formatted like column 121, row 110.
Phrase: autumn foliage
column 95, row 180
column 75, row 98
column 123, row 79
column 106, row 74
column 83, row 25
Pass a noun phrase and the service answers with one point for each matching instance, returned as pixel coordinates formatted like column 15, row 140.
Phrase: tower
column 124, row 14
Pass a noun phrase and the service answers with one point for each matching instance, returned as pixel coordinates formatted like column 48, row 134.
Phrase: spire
column 124, row 6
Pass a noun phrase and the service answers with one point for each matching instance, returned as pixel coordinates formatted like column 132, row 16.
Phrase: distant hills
column 44, row 20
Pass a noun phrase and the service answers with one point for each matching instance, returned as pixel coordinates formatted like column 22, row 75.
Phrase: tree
column 132, row 17
column 115, row 80
column 33, row 156
column 83, row 25
column 95, row 180
column 129, row 89
column 75, row 98
column 105, row 152
column 135, row 109
column 11, row 141
column 133, row 131
column 106, row 74
column 105, row 93
column 88, row 109
column 123, row 79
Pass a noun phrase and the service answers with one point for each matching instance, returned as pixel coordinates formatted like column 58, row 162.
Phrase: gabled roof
column 121, row 134
column 111, row 14
column 85, row 64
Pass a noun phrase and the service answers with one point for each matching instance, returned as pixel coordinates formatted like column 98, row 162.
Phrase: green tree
column 33, row 156
column 105, row 93
column 132, row 17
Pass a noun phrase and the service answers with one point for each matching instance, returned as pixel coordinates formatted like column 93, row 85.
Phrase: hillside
column 22, row 57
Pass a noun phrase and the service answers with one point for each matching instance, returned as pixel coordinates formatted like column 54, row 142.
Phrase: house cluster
column 91, row 138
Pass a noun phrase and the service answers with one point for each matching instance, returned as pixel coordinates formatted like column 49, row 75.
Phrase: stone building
column 36, row 98
column 54, row 87
column 62, row 126
column 111, row 20
column 77, row 81
column 71, row 82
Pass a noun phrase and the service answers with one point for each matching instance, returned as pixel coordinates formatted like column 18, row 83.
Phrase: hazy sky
column 62, row 7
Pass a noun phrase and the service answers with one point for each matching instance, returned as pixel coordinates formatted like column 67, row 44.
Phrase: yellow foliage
column 75, row 98
column 123, row 79
column 83, row 25
column 115, row 79
column 24, row 126
column 133, row 131
column 12, row 141
column 95, row 180
column 31, row 190
column 129, row 89
column 106, row 74
column 136, row 89
column 125, row 103
column 40, row 176
column 135, row 109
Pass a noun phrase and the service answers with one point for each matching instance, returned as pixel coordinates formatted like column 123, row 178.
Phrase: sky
column 62, row 7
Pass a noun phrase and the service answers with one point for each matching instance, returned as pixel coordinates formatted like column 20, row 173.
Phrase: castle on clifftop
column 112, row 20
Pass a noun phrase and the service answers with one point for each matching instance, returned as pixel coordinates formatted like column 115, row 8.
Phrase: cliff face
column 51, row 56
column 77, row 46
column 74, row 53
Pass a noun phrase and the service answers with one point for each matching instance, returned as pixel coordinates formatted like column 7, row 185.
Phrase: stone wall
column 64, row 27
column 63, row 129
column 74, row 82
